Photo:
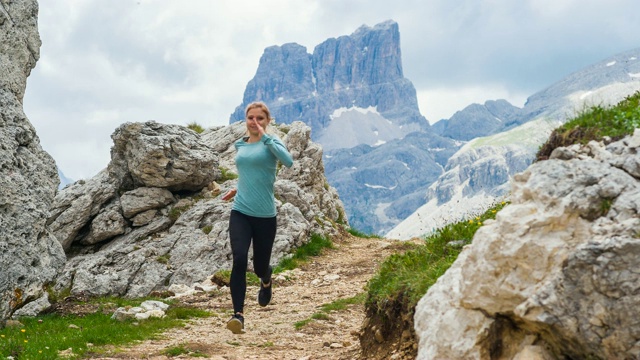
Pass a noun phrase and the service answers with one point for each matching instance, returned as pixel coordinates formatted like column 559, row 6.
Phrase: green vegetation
column 56, row 296
column 183, row 349
column 409, row 275
column 227, row 175
column 313, row 248
column 44, row 336
column 605, row 206
column 360, row 234
column 326, row 309
column 223, row 277
column 596, row 123
column 176, row 211
column 207, row 229
column 163, row 259
column 342, row 304
column 196, row 127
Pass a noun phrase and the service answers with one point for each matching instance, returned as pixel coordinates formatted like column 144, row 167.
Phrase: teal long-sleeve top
column 256, row 163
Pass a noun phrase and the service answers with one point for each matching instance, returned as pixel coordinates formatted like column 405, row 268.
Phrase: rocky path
column 338, row 273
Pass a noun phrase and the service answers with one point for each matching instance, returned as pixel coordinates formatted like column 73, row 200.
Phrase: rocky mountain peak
column 359, row 71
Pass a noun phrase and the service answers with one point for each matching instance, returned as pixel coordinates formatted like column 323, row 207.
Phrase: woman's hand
column 259, row 128
column 229, row 195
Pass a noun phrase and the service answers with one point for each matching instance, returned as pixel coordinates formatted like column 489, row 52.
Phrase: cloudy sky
column 103, row 63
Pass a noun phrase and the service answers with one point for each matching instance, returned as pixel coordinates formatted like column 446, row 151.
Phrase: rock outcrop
column 555, row 275
column 154, row 217
column 29, row 256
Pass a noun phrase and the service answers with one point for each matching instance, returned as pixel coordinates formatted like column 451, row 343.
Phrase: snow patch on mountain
column 604, row 96
column 353, row 126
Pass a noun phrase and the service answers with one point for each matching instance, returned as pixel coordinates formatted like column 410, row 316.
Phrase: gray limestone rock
column 159, row 155
column 76, row 205
column 30, row 256
column 178, row 237
column 555, row 269
column 144, row 198
column 108, row 223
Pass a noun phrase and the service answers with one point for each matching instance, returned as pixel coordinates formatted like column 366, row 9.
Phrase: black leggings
column 243, row 228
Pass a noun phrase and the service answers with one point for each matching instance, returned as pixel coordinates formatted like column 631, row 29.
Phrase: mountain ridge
column 601, row 84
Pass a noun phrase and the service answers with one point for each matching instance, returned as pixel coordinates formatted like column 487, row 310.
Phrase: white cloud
column 106, row 62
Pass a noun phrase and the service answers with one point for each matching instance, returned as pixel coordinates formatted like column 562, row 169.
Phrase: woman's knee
column 240, row 260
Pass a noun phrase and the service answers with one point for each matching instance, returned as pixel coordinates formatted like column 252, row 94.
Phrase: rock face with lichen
column 29, row 256
column 556, row 274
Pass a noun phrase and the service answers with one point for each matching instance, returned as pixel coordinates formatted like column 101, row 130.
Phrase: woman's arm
column 278, row 149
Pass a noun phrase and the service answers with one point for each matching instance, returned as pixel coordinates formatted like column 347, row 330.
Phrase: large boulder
column 141, row 226
column 29, row 255
column 163, row 156
column 555, row 275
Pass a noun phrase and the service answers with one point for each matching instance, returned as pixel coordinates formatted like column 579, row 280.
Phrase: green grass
column 595, row 123
column 225, row 277
column 302, row 323
column 183, row 349
column 326, row 309
column 616, row 121
column 43, row 336
column 207, row 229
column 176, row 211
column 360, row 234
column 226, row 175
column 409, row 275
column 313, row 248
column 195, row 127
column 342, row 304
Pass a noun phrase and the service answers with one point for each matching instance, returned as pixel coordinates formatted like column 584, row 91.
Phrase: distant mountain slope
column 64, row 181
column 475, row 177
column 599, row 84
column 494, row 159
column 382, row 185
column 478, row 120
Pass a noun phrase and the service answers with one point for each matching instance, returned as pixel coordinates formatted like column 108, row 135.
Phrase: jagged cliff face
column 554, row 275
column 154, row 217
column 29, row 256
column 359, row 71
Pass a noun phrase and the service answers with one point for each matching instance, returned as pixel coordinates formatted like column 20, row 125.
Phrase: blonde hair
column 258, row 105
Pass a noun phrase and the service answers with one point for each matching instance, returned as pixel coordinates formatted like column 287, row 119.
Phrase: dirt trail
column 338, row 273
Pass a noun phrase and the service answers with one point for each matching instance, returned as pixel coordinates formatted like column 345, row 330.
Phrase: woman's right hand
column 229, row 195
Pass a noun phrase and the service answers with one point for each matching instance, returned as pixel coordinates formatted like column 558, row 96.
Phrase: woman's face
column 256, row 117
